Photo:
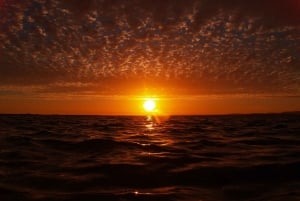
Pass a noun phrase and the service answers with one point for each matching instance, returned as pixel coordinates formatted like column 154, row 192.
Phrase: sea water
column 208, row 158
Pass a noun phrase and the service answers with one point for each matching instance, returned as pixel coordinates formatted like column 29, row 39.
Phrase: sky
column 107, row 56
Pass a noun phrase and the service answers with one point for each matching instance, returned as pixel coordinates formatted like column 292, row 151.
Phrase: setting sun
column 149, row 105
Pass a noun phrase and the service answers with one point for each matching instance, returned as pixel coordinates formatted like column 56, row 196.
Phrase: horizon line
column 216, row 114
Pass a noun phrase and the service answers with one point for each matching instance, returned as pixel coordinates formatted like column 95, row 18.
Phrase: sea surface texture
column 207, row 158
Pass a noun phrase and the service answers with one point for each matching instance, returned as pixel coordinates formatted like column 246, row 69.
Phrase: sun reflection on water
column 150, row 123
column 153, row 135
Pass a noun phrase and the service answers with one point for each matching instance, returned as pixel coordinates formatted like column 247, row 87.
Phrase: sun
column 149, row 105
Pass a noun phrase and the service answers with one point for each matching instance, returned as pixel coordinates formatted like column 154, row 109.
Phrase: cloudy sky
column 103, row 49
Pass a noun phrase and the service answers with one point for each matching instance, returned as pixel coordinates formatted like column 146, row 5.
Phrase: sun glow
column 149, row 105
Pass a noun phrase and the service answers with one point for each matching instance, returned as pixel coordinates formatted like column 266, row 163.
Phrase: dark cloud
column 208, row 46
column 274, row 12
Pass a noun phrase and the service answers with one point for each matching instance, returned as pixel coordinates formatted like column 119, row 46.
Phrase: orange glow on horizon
column 134, row 105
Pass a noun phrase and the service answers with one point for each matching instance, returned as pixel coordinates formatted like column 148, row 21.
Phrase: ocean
column 120, row 158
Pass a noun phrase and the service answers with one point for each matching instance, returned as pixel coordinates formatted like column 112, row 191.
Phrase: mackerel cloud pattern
column 198, row 47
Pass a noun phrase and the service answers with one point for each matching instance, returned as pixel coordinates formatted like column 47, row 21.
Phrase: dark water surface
column 208, row 158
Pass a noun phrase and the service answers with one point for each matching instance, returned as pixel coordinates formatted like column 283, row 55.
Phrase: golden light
column 149, row 105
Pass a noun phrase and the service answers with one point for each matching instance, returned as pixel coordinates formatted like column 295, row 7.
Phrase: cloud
column 197, row 47
column 274, row 12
